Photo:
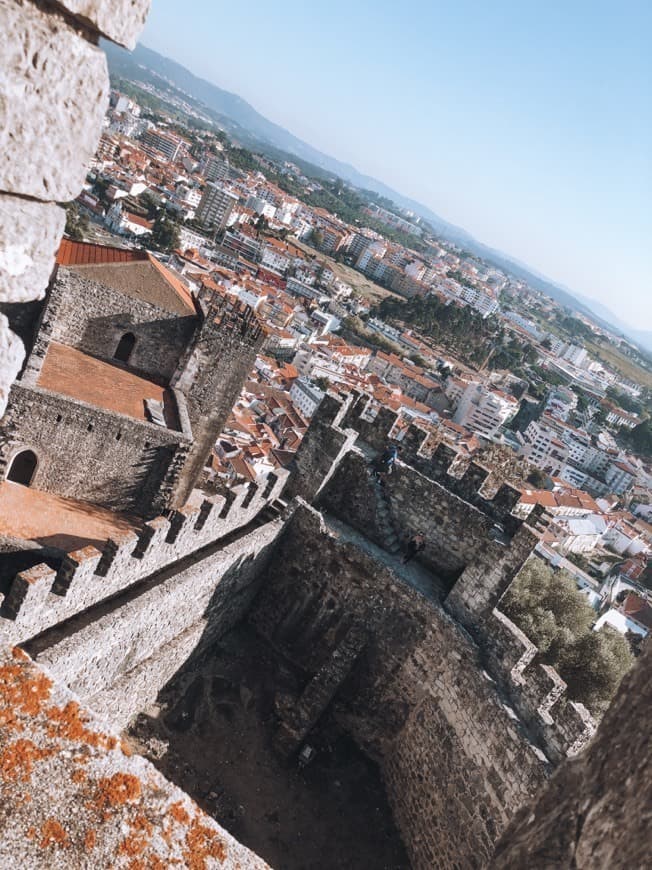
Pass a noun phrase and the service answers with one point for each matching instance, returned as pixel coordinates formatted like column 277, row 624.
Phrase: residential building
column 215, row 207
column 154, row 141
column 306, row 396
column 484, row 411
column 543, row 448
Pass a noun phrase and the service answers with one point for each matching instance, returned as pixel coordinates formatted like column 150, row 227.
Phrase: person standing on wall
column 385, row 462
column 415, row 545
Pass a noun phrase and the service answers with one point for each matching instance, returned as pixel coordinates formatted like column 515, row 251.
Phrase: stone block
column 53, row 94
column 30, row 233
column 12, row 354
column 120, row 21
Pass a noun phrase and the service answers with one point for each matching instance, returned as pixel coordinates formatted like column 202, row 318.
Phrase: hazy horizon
column 529, row 128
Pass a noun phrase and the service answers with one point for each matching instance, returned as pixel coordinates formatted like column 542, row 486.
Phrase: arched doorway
column 22, row 467
column 125, row 347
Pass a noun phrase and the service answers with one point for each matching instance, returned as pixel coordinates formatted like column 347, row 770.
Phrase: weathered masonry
column 464, row 729
column 127, row 383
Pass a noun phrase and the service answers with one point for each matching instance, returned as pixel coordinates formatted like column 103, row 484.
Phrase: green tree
column 548, row 608
column 639, row 439
column 147, row 201
column 77, row 225
column 558, row 619
column 594, row 665
column 317, row 239
column 165, row 234
column 539, row 479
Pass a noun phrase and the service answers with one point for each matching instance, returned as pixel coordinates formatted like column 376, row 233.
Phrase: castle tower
column 210, row 377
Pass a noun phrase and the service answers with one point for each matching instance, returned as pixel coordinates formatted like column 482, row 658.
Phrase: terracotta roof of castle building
column 134, row 273
column 73, row 253
column 73, row 373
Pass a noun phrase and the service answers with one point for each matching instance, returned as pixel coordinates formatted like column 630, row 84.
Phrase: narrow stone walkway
column 413, row 573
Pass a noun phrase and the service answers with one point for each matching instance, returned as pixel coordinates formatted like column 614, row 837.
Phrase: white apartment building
column 484, row 411
column 575, row 354
column 620, row 477
column 478, row 299
column 560, row 403
column 273, row 259
column 216, row 206
column 543, row 448
column 306, row 396
column 215, row 169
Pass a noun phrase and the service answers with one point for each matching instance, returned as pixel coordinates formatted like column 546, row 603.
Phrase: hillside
column 253, row 130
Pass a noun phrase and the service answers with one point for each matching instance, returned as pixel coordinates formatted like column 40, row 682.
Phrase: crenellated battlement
column 437, row 460
column 536, row 690
column 41, row 597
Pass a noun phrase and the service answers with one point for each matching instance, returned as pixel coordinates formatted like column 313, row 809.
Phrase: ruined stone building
column 124, row 588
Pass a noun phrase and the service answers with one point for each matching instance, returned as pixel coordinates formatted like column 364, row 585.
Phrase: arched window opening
column 125, row 347
column 23, row 467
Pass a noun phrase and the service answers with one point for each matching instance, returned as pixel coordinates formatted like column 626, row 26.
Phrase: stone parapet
column 77, row 796
column 55, row 91
column 439, row 462
column 537, row 691
column 118, row 20
column 40, row 598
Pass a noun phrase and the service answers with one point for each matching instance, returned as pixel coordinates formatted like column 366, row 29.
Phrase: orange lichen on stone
column 134, row 844
column 19, row 654
column 119, row 789
column 90, row 840
column 53, row 834
column 10, row 721
column 23, row 689
column 30, row 833
column 178, row 813
column 126, row 749
column 142, row 823
column 17, row 759
column 202, row 843
column 79, row 776
column 68, row 723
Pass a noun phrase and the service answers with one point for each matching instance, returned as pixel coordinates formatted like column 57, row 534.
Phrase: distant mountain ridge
column 254, row 130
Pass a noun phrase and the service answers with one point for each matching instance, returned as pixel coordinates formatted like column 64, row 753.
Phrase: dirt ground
column 367, row 288
column 212, row 737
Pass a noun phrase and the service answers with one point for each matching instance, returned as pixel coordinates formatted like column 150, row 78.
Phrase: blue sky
column 528, row 123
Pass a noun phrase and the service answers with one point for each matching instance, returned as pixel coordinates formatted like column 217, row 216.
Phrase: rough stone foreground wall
column 117, row 656
column 73, row 795
column 117, row 461
column 455, row 758
column 83, row 313
column 596, row 812
column 41, row 597
column 53, row 92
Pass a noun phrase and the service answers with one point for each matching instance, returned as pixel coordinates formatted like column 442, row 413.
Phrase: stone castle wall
column 459, row 515
column 456, row 760
column 457, row 533
column 86, row 453
column 42, row 597
column 596, row 811
column 118, row 655
column 82, row 313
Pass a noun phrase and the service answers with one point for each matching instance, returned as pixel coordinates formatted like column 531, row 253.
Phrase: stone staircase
column 391, row 539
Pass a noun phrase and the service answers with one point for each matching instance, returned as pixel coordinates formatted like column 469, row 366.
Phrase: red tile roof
column 72, row 253
column 638, row 609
